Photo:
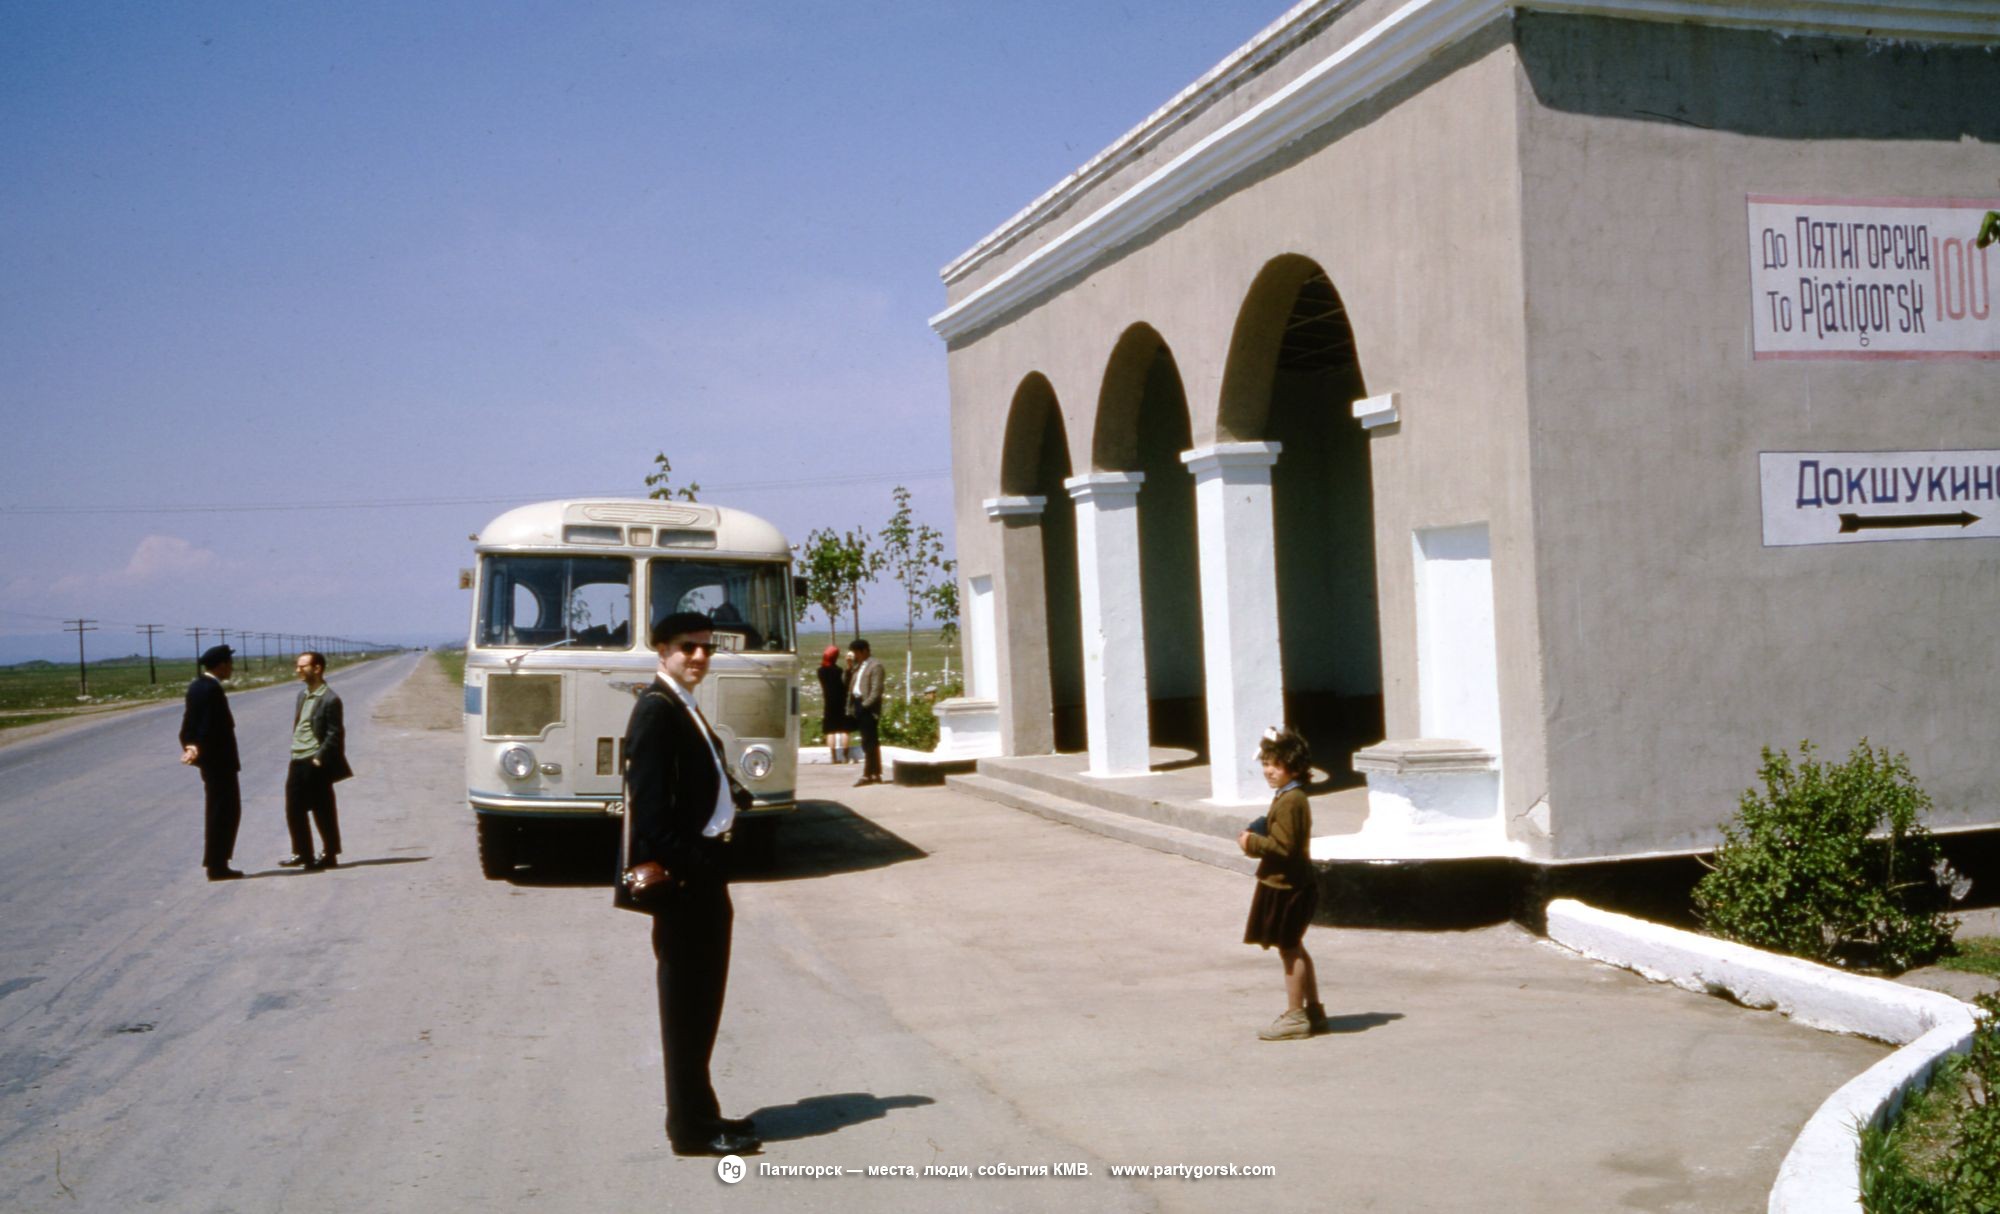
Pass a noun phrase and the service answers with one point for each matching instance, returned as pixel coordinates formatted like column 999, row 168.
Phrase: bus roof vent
column 650, row 512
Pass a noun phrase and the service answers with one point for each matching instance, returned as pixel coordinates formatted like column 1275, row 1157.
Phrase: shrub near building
column 1831, row 862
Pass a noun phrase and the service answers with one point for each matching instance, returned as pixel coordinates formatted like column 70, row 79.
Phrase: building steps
column 1035, row 797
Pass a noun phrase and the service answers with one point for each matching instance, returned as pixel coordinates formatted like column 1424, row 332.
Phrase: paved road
column 920, row 979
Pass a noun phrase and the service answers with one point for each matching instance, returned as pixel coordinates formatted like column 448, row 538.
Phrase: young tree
column 914, row 552
column 867, row 566
column 828, row 565
column 662, row 490
column 943, row 600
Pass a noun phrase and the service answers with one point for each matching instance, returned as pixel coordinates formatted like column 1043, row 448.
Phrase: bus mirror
column 465, row 579
column 798, row 587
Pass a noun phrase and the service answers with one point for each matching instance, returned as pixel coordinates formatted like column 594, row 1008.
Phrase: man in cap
column 319, row 761
column 680, row 802
column 208, row 741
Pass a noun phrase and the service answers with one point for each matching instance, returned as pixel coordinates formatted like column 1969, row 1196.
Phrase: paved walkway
column 1099, row 988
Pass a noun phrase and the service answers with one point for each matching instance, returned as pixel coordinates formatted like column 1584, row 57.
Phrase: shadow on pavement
column 261, row 873
column 818, row 1115
column 1359, row 1022
column 818, row 839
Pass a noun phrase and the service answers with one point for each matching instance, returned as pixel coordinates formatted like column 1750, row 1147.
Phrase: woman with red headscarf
column 833, row 721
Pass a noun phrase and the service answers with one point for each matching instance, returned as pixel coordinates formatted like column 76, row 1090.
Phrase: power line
column 416, row 503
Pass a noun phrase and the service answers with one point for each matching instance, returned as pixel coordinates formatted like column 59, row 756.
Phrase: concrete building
column 1550, row 402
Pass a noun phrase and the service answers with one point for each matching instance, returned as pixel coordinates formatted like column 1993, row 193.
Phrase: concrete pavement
column 921, row 979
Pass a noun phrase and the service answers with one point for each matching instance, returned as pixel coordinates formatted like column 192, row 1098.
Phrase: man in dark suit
column 681, row 802
column 864, row 702
column 208, row 742
column 319, row 761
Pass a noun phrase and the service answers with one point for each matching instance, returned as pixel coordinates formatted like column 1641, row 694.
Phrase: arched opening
column 1293, row 374
column 1034, row 463
column 1143, row 426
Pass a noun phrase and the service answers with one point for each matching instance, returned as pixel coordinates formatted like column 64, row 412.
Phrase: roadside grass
column 1903, row 1167
column 1940, row 1153
column 1974, row 955
column 453, row 663
column 34, row 692
column 928, row 679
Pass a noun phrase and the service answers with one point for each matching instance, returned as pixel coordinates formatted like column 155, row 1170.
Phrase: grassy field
column 45, row 691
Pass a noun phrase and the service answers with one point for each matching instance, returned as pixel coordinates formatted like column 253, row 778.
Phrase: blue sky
column 259, row 264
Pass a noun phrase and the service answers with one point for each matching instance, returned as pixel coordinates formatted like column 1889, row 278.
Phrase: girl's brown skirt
column 1280, row 916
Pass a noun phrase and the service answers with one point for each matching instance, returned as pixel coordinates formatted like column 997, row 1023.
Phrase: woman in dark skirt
column 833, row 720
column 1287, row 893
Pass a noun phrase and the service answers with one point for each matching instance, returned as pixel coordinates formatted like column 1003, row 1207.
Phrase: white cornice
column 1378, row 57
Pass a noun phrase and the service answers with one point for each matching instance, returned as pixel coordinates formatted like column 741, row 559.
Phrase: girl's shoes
column 1294, row 1025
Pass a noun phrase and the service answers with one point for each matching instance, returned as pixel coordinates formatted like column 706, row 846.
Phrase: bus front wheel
column 496, row 847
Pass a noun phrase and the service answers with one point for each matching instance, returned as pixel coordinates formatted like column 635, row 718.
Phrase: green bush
column 1942, row 1153
column 914, row 725
column 1831, row 863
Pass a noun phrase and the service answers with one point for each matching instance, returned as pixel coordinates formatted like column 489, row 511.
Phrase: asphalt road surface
column 920, row 980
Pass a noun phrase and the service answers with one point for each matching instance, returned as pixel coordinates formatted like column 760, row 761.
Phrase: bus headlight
column 756, row 762
column 516, row 763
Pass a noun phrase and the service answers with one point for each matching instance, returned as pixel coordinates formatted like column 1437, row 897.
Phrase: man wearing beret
column 208, row 742
column 680, row 802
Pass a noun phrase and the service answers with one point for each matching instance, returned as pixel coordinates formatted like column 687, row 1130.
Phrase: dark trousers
column 870, row 725
column 308, row 791
column 223, row 802
column 691, row 936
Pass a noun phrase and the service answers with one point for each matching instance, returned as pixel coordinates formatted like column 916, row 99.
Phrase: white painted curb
column 1821, row 1173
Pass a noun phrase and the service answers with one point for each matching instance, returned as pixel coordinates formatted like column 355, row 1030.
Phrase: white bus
column 562, row 596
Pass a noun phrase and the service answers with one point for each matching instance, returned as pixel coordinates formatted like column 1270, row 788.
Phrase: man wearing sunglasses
column 682, row 802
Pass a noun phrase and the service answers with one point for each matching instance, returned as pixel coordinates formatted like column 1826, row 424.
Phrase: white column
column 1115, row 704
column 1021, row 640
column 1239, row 611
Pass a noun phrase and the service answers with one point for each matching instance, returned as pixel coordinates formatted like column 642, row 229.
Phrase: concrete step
column 1162, row 799
column 1126, row 828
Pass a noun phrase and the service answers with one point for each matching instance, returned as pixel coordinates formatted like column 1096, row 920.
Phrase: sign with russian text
column 1849, row 497
column 1871, row 278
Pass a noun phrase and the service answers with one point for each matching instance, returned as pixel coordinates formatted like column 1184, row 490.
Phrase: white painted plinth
column 1430, row 798
column 967, row 728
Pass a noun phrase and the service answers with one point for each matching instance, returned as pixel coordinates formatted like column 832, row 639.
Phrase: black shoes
column 329, row 860
column 724, row 1141
column 225, row 873
column 295, row 861
column 867, row 780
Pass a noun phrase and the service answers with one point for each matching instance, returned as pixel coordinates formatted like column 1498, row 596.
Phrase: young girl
column 1287, row 893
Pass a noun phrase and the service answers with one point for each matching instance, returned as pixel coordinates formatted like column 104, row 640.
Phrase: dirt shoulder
column 428, row 699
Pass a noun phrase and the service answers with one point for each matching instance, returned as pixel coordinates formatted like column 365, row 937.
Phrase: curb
column 1821, row 1172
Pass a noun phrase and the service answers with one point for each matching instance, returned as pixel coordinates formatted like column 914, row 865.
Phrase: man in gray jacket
column 864, row 701
column 319, row 761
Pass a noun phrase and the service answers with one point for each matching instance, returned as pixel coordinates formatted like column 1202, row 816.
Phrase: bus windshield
column 585, row 601
column 746, row 599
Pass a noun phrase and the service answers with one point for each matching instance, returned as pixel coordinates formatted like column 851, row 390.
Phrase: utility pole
column 224, row 634
column 152, row 675
column 197, row 647
column 79, row 627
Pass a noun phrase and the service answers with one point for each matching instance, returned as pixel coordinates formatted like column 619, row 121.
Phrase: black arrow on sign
column 1875, row 522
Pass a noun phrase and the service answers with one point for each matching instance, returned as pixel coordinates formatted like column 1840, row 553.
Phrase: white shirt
column 725, row 809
